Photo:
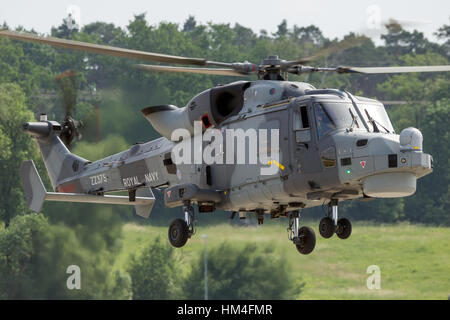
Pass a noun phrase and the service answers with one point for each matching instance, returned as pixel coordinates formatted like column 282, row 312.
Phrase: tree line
column 117, row 91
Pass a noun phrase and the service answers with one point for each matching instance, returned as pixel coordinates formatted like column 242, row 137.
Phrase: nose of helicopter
column 385, row 165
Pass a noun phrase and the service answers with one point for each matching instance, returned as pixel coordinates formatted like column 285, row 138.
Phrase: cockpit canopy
column 330, row 116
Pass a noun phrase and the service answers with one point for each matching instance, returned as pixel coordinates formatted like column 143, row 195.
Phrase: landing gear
column 304, row 238
column 178, row 233
column 330, row 224
column 260, row 216
column 327, row 227
column 181, row 230
column 344, row 228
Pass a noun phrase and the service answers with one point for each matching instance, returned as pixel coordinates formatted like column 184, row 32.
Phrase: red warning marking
column 363, row 164
column 68, row 188
column 206, row 121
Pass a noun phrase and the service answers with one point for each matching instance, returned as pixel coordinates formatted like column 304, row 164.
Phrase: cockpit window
column 376, row 118
column 323, row 122
column 343, row 114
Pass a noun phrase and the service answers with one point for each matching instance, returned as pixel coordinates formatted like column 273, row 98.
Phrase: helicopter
column 325, row 146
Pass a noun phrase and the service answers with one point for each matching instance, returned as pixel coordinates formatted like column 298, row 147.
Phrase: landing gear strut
column 260, row 215
column 304, row 238
column 330, row 224
column 181, row 230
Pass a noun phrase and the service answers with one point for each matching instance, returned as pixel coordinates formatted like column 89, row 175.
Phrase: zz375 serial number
column 98, row 179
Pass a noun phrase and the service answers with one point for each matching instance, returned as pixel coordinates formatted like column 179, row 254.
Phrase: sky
column 334, row 18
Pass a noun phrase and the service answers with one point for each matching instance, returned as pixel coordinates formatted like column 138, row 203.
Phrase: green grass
column 414, row 259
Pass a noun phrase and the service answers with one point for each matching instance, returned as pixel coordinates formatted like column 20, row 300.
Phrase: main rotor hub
column 271, row 61
column 270, row 68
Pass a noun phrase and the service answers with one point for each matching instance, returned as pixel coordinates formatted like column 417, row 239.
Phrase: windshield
column 377, row 113
column 335, row 115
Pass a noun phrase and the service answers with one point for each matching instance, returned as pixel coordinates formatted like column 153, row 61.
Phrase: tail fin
column 59, row 161
column 32, row 186
column 145, row 209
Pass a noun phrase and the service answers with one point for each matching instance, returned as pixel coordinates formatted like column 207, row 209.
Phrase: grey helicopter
column 326, row 146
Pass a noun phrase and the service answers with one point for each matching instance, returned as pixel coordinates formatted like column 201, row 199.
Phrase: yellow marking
column 277, row 163
column 283, row 103
column 416, row 147
column 275, row 105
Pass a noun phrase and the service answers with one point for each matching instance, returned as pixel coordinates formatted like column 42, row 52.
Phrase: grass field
column 414, row 260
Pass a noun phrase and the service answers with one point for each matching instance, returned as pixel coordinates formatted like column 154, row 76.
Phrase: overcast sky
column 334, row 18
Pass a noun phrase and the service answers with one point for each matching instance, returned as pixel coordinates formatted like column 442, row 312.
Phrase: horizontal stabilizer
column 89, row 198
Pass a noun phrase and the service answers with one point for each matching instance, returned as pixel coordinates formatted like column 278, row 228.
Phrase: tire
column 344, row 228
column 307, row 240
column 178, row 233
column 327, row 227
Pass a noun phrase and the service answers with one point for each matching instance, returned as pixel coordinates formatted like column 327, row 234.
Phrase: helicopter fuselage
column 332, row 145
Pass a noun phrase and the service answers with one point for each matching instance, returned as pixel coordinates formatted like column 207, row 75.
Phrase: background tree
column 282, row 30
column 236, row 273
column 91, row 235
column 16, row 147
column 155, row 273
column 34, row 257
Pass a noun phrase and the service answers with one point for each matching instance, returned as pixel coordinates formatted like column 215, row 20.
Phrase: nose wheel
column 181, row 230
column 330, row 224
column 304, row 238
column 178, row 233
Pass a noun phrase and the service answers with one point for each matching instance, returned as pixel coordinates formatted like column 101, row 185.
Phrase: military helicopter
column 326, row 146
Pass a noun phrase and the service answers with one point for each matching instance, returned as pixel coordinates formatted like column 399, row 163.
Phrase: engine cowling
column 211, row 107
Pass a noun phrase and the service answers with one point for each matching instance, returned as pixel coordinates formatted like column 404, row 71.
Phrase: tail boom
column 36, row 194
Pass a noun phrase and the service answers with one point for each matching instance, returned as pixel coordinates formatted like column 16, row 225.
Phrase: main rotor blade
column 338, row 47
column 299, row 69
column 211, row 71
column 405, row 69
column 402, row 102
column 102, row 49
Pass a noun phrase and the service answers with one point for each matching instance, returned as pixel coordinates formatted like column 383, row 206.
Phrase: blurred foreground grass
column 414, row 259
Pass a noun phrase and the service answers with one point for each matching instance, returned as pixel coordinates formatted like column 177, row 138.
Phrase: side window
column 301, row 125
column 323, row 122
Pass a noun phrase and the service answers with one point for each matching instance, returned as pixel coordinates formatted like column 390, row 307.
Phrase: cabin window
column 323, row 122
column 301, row 125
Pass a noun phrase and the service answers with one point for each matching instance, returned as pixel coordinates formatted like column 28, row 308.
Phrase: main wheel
column 327, row 227
column 306, row 240
column 344, row 228
column 178, row 233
